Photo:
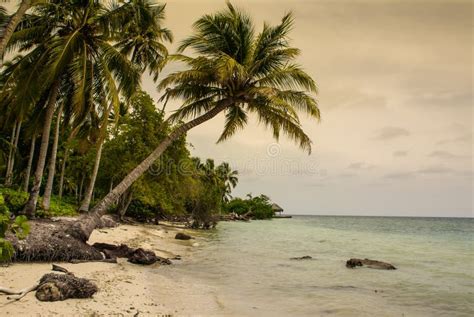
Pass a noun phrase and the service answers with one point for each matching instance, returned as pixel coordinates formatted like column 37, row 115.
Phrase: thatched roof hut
column 276, row 208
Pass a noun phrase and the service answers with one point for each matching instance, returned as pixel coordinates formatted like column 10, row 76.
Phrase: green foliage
column 13, row 199
column 258, row 207
column 19, row 226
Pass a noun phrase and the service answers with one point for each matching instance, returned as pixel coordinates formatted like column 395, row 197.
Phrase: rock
column 182, row 236
column 373, row 264
column 136, row 256
column 305, row 257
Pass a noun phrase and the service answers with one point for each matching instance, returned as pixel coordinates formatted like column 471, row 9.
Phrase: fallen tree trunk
column 136, row 256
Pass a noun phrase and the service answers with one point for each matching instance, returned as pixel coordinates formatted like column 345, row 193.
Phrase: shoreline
column 125, row 289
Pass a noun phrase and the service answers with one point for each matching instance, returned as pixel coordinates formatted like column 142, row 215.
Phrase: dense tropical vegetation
column 78, row 131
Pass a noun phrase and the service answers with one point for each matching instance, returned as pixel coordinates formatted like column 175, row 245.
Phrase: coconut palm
column 69, row 42
column 229, row 180
column 12, row 23
column 236, row 72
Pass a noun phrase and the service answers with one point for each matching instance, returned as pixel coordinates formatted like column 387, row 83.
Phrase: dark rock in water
column 146, row 257
column 305, row 257
column 373, row 264
column 182, row 236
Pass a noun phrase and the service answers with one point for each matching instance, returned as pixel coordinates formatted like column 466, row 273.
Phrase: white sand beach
column 125, row 289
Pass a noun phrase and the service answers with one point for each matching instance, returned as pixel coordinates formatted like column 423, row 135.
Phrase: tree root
column 55, row 287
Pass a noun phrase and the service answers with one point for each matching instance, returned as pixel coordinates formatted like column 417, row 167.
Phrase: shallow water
column 248, row 266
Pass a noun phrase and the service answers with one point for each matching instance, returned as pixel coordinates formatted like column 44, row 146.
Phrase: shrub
column 19, row 226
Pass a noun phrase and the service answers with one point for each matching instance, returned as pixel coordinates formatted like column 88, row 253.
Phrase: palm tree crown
column 248, row 72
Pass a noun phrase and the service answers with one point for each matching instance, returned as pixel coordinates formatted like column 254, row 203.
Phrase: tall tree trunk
column 81, row 186
column 63, row 170
column 10, row 154
column 90, row 188
column 48, row 190
column 83, row 228
column 63, row 164
column 30, row 207
column 30, row 163
column 124, row 203
column 11, row 26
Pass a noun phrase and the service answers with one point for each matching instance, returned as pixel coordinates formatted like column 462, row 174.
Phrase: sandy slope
column 124, row 288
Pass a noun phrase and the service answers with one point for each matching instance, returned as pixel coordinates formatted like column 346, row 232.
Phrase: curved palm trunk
column 30, row 163
column 30, row 207
column 48, row 190
column 83, row 228
column 11, row 26
column 90, row 188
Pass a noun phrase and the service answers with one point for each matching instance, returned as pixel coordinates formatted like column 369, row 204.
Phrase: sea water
column 249, row 266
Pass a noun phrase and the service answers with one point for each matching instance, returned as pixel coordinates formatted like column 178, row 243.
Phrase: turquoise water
column 249, row 266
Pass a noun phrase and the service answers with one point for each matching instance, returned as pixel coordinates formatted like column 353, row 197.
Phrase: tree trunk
column 10, row 155
column 81, row 185
column 63, row 170
column 125, row 203
column 30, row 163
column 90, row 188
column 48, row 190
column 83, row 228
column 11, row 26
column 30, row 207
column 63, row 165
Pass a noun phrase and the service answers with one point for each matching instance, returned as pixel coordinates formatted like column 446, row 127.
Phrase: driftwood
column 373, row 264
column 305, row 257
column 136, row 256
column 55, row 287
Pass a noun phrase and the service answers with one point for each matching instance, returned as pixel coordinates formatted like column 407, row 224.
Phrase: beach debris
column 136, row 256
column 56, row 287
column 182, row 236
column 304, row 257
column 373, row 264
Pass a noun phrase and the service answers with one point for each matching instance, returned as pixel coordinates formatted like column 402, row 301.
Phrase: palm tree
column 70, row 43
column 12, row 24
column 236, row 73
column 228, row 178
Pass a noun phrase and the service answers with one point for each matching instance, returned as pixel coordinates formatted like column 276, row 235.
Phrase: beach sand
column 125, row 289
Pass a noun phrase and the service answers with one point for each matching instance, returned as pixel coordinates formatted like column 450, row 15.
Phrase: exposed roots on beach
column 47, row 242
column 55, row 287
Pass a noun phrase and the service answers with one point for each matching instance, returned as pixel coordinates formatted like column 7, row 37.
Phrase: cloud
column 466, row 138
column 356, row 166
column 400, row 153
column 435, row 170
column 446, row 155
column 400, row 175
column 389, row 133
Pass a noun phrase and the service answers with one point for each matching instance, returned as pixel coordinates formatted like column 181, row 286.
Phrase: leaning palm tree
column 237, row 72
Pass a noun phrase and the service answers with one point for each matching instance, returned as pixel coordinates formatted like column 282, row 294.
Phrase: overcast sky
column 395, row 80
